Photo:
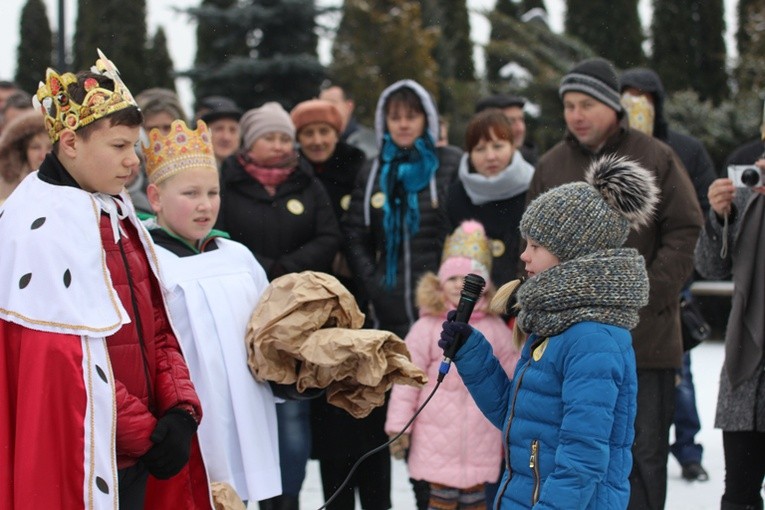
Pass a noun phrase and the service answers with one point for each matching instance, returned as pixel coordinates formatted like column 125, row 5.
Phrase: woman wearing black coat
column 491, row 188
column 282, row 213
column 339, row 439
column 396, row 223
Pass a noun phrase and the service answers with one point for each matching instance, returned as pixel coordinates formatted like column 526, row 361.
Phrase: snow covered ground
column 706, row 361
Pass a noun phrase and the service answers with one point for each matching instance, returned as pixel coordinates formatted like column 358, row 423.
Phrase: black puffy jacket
column 294, row 230
column 394, row 309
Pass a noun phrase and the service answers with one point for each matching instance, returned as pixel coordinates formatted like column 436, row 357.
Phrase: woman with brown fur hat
column 23, row 147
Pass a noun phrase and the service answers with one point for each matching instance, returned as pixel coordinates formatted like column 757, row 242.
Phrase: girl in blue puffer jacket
column 567, row 414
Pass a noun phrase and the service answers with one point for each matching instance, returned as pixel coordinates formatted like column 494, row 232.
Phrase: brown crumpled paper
column 305, row 330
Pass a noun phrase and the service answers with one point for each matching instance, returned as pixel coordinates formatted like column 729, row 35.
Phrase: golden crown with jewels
column 62, row 112
column 178, row 150
column 469, row 241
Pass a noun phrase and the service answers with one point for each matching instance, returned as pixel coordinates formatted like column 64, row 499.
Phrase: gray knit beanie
column 595, row 77
column 269, row 118
column 580, row 218
column 159, row 100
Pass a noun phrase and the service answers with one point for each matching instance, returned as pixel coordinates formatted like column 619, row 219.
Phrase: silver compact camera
column 745, row 176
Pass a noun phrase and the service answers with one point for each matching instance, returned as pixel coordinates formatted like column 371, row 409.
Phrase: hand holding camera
column 720, row 194
column 746, row 176
column 722, row 191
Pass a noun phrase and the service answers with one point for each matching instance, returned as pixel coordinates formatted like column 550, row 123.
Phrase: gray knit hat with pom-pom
column 580, row 218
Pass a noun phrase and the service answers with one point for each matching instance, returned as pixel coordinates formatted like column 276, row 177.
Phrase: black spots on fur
column 67, row 278
column 24, row 280
column 101, row 374
column 102, row 485
column 38, row 223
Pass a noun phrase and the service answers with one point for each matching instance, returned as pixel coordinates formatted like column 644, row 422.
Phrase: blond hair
column 502, row 303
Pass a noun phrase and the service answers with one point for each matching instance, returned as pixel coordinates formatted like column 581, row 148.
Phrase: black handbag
column 695, row 328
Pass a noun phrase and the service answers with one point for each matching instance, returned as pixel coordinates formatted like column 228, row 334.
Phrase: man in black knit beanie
column 596, row 126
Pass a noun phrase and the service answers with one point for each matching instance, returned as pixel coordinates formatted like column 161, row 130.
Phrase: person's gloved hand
column 172, row 444
column 452, row 332
column 399, row 447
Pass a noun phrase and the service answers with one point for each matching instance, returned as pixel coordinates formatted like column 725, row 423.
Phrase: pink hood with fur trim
column 451, row 441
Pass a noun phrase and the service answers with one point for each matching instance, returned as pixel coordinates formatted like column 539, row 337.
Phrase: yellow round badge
column 540, row 350
column 497, row 248
column 378, row 200
column 345, row 202
column 295, row 206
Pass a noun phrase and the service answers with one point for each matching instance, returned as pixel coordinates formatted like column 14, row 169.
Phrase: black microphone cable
column 378, row 449
column 472, row 288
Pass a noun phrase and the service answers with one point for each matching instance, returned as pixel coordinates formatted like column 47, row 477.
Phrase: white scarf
column 510, row 182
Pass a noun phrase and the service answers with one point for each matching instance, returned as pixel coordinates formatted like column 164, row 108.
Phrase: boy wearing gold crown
column 97, row 396
column 212, row 285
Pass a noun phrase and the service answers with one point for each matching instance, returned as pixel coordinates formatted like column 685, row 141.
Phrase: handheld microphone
column 471, row 293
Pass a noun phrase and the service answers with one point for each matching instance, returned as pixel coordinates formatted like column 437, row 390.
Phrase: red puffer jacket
column 147, row 383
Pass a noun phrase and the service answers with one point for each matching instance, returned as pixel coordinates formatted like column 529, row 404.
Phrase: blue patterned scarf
column 404, row 173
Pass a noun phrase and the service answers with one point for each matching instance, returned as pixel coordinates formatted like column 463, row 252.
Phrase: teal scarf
column 404, row 173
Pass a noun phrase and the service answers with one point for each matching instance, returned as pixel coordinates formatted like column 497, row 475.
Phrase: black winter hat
column 219, row 107
column 595, row 77
column 499, row 101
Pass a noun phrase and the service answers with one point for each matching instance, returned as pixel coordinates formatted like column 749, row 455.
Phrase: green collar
column 200, row 245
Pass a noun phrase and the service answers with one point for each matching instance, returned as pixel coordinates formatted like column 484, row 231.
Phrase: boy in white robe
column 212, row 285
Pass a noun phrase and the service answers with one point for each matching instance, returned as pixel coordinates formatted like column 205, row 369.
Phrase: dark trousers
column 132, row 487
column 744, row 467
column 421, row 490
column 493, row 488
column 372, row 479
column 687, row 424
column 293, row 419
column 655, row 411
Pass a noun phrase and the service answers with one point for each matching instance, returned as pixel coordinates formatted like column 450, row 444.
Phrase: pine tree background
column 378, row 43
column 454, row 56
column 261, row 50
column 546, row 56
column 750, row 69
column 220, row 34
column 35, row 45
column 610, row 27
column 159, row 65
column 119, row 30
column 688, row 47
column 257, row 51
column 744, row 10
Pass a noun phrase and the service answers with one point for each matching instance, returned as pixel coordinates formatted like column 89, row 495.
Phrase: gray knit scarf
column 744, row 337
column 607, row 286
column 511, row 181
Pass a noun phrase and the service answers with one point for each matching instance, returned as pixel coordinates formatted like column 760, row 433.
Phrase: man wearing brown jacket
column 595, row 127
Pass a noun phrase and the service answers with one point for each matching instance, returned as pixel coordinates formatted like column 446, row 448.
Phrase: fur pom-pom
column 429, row 296
column 626, row 186
column 470, row 226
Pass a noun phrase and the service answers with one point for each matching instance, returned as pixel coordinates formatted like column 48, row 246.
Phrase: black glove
column 172, row 444
column 453, row 331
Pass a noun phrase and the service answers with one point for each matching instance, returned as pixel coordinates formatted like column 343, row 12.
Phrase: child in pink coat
column 451, row 445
